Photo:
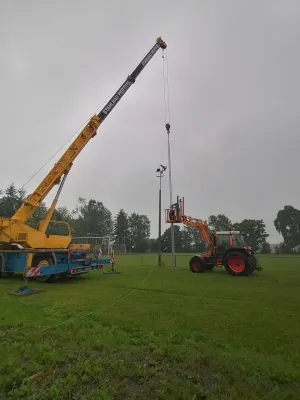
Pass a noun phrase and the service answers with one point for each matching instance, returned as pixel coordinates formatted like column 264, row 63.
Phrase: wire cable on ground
column 104, row 308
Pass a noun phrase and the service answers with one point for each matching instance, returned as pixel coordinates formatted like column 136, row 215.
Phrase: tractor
column 225, row 248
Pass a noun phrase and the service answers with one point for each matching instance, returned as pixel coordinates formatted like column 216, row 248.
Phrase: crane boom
column 64, row 164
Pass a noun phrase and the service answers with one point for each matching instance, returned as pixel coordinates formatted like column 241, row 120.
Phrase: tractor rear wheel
column 197, row 265
column 238, row 264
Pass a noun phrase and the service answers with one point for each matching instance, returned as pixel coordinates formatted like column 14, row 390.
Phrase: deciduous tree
column 166, row 241
column 255, row 230
column 121, row 230
column 191, row 241
column 11, row 199
column 92, row 217
column 266, row 248
column 139, row 232
column 287, row 223
column 219, row 222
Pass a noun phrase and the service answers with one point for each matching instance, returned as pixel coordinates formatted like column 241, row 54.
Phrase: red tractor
column 226, row 248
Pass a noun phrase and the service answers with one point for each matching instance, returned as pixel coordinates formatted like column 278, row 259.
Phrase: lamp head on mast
column 161, row 170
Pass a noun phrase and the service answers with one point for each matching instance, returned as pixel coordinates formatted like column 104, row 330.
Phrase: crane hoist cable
column 166, row 87
column 54, row 154
column 67, row 141
column 167, row 107
column 167, row 103
column 70, row 138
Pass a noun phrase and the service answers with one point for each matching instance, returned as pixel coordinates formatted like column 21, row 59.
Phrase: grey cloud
column 234, row 95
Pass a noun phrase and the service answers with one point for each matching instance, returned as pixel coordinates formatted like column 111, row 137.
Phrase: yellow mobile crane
column 42, row 255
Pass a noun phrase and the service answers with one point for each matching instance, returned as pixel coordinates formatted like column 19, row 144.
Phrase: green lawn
column 155, row 333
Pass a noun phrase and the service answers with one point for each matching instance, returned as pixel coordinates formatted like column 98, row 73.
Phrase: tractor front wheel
column 237, row 264
column 197, row 265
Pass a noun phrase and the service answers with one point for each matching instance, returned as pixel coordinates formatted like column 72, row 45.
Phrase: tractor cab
column 225, row 239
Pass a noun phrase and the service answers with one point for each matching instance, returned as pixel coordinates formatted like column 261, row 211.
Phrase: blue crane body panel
column 58, row 262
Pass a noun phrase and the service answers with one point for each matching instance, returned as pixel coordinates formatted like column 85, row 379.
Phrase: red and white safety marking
column 112, row 261
column 33, row 272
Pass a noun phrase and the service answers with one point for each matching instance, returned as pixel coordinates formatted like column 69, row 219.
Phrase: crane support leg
column 25, row 290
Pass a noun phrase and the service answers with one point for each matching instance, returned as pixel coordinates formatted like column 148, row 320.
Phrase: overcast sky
column 234, row 100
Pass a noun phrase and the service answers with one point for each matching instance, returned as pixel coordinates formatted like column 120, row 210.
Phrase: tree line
column 131, row 232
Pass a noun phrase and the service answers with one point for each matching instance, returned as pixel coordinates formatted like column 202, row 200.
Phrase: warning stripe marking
column 33, row 271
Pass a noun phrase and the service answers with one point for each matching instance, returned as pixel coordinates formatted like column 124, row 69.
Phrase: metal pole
column 159, row 222
column 170, row 187
column 160, row 171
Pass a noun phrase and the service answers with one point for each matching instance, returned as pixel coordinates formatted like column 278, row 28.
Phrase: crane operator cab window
column 58, row 228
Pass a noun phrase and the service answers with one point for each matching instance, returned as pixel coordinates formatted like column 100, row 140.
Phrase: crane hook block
column 168, row 126
column 162, row 44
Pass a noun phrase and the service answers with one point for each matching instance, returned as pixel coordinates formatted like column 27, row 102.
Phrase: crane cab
column 175, row 213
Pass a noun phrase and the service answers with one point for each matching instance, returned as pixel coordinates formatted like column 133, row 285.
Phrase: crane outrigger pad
column 25, row 291
column 112, row 270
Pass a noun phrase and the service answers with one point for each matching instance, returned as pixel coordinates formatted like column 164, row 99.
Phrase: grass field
column 155, row 333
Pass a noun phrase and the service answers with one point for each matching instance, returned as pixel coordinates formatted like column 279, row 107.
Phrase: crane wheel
column 197, row 265
column 238, row 264
column 44, row 262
